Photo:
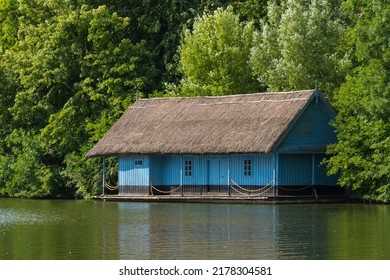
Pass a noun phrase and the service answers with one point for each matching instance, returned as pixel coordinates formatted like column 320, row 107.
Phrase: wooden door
column 217, row 175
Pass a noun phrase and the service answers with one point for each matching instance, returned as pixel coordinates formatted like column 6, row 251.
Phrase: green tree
column 250, row 10
column 160, row 24
column 298, row 45
column 362, row 154
column 214, row 56
column 17, row 177
column 68, row 70
column 9, row 14
column 112, row 72
column 74, row 73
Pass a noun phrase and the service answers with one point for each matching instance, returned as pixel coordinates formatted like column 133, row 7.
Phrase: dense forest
column 70, row 68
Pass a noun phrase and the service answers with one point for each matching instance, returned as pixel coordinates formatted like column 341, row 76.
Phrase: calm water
column 55, row 229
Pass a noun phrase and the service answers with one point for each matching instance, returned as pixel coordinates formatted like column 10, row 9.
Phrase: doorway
column 217, row 175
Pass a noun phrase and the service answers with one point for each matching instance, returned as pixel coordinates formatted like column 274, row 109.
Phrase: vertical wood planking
column 132, row 175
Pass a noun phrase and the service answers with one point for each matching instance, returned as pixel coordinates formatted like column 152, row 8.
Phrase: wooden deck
column 223, row 198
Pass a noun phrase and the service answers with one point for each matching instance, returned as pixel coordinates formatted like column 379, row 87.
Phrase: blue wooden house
column 267, row 144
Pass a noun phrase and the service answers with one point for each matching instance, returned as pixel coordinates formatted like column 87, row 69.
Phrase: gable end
column 310, row 131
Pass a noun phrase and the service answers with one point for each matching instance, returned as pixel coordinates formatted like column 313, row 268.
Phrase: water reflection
column 213, row 231
column 204, row 231
column 134, row 230
column 46, row 229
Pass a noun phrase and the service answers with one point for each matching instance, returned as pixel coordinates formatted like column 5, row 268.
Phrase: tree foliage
column 250, row 10
column 298, row 45
column 9, row 14
column 362, row 154
column 214, row 56
column 75, row 73
column 160, row 24
column 68, row 70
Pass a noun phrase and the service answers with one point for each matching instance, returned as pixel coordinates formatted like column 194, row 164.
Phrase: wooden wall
column 311, row 131
column 296, row 162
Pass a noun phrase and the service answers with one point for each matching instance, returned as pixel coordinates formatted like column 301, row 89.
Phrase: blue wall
column 302, row 150
column 131, row 175
column 295, row 169
column 213, row 169
column 303, row 169
column 320, row 173
column 266, row 169
column 263, row 166
column 311, row 131
column 168, row 170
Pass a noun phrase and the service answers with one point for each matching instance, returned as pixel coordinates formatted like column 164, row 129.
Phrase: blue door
column 217, row 175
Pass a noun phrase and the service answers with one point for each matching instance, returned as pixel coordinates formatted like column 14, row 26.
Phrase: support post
column 181, row 180
column 104, row 175
column 228, row 182
column 313, row 169
column 276, row 193
column 274, row 180
column 181, row 175
column 313, row 174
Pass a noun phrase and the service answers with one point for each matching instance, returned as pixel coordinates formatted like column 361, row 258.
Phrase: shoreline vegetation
column 69, row 70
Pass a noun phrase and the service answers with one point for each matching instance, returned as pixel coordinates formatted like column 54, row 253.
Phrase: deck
column 223, row 198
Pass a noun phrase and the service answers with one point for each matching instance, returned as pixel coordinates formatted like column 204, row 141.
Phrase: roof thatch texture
column 248, row 123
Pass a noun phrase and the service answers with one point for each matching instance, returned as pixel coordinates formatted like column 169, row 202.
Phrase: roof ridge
column 229, row 96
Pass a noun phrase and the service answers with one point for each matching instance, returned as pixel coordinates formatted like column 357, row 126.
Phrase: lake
column 97, row 230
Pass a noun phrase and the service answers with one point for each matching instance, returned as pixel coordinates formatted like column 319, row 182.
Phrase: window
column 247, row 167
column 188, row 168
column 138, row 162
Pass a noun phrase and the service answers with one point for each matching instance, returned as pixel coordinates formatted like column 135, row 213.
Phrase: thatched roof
column 249, row 123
